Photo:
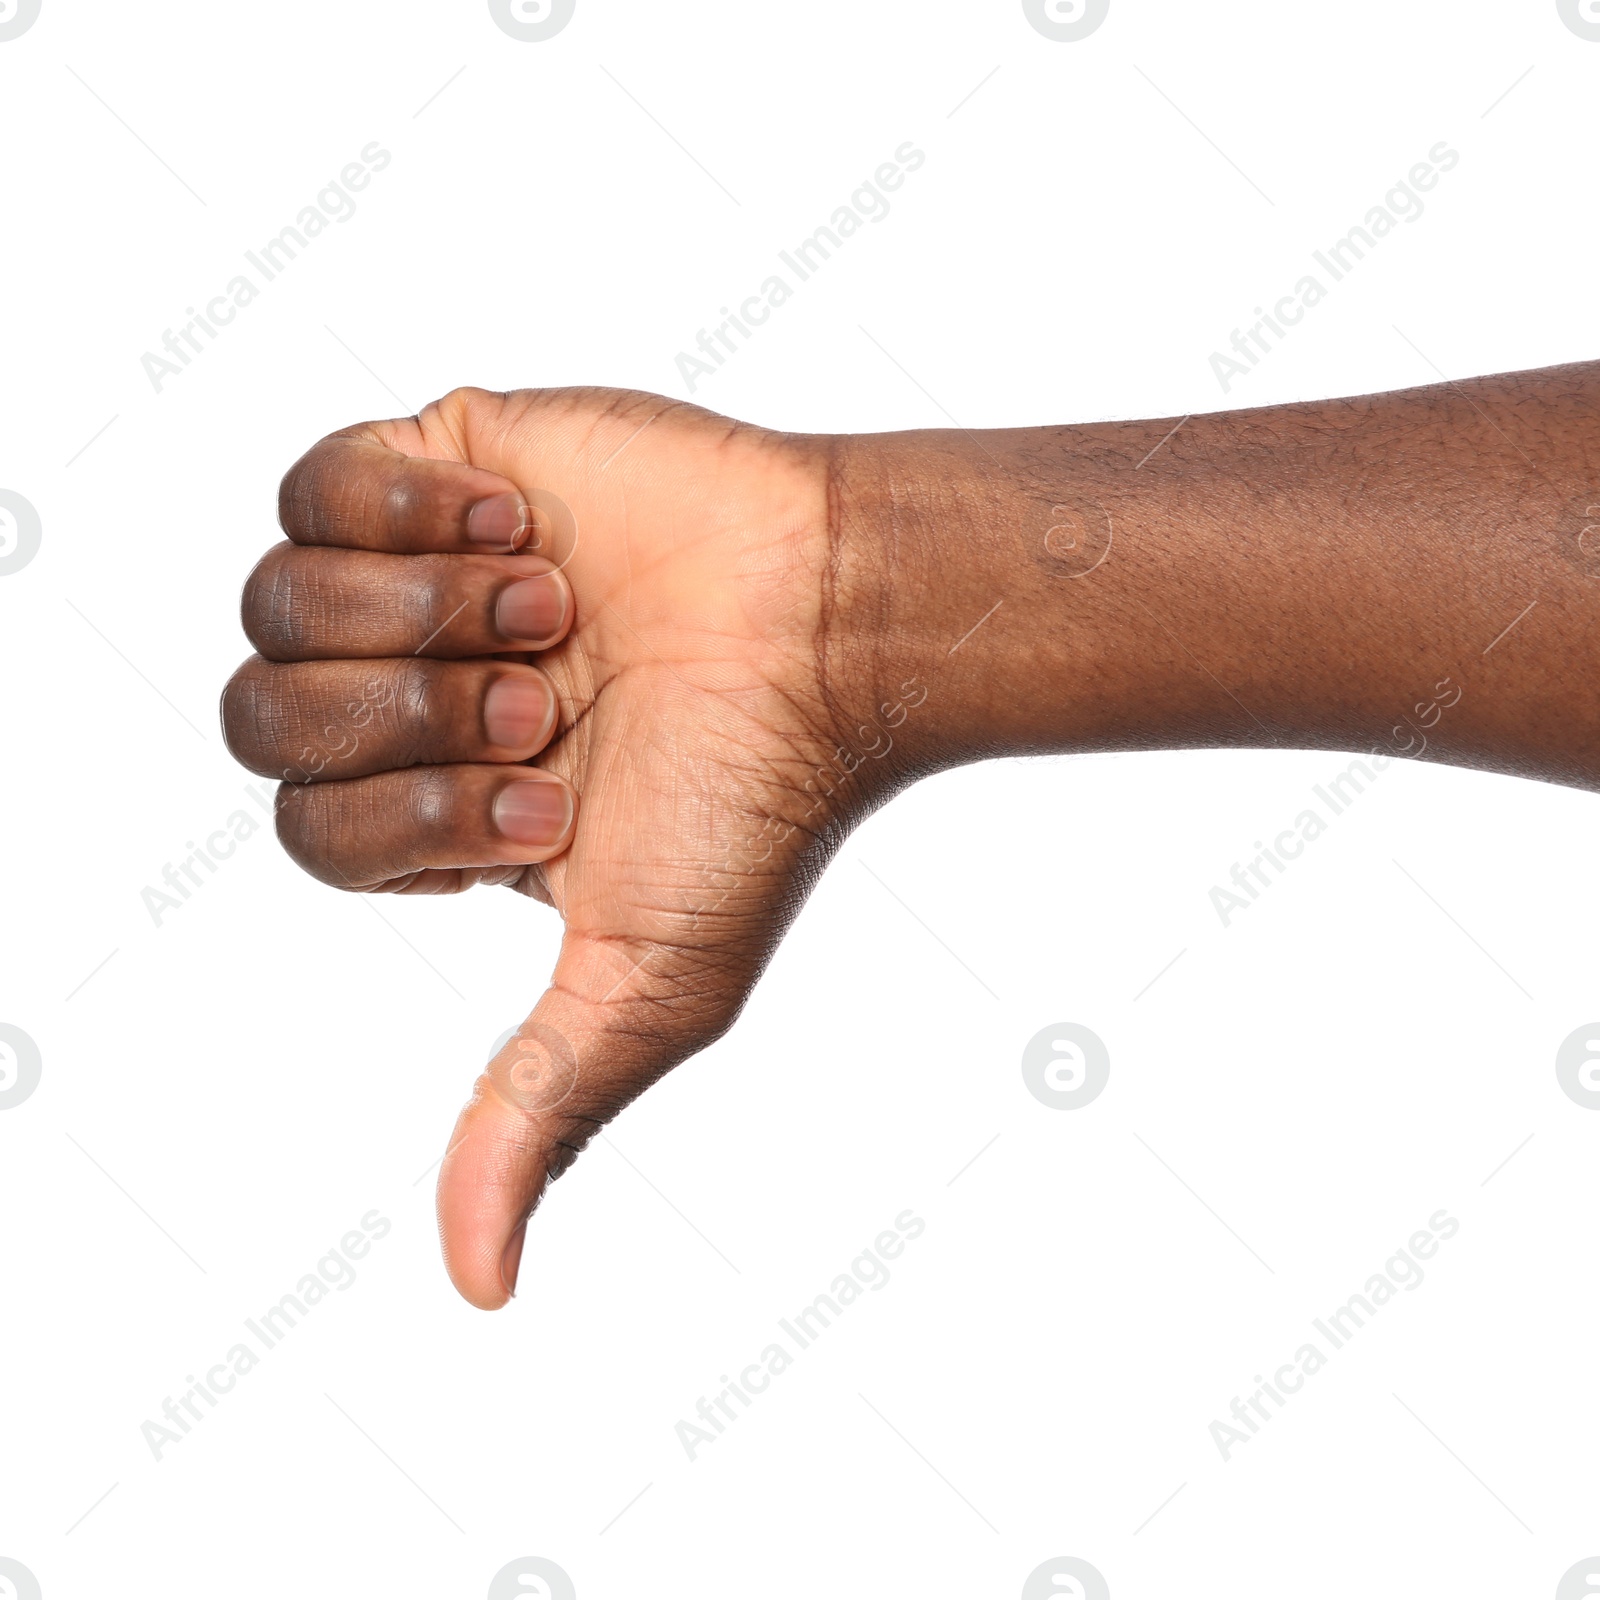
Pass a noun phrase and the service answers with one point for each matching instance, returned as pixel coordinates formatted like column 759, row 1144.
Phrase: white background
column 225, row 1095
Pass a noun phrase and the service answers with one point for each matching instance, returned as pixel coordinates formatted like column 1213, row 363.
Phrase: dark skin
column 736, row 643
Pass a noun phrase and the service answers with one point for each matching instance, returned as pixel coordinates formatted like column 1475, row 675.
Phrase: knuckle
column 300, row 494
column 304, row 818
column 242, row 721
column 318, row 825
column 273, row 605
column 403, row 507
column 413, row 708
column 433, row 803
column 322, row 497
column 367, row 830
column 465, row 398
column 431, row 597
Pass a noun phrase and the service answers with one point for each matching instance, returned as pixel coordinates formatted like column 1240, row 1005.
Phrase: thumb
column 612, row 1022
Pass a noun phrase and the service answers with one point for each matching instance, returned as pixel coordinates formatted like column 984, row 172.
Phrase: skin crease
column 758, row 638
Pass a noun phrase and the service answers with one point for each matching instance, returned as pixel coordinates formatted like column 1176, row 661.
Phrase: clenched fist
column 572, row 643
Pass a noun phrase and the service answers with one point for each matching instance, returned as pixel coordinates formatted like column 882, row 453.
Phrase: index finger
column 354, row 491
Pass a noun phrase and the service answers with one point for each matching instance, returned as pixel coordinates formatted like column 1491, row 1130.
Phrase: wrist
column 974, row 567
column 881, row 603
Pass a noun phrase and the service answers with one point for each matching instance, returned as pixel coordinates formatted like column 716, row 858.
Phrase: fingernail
column 511, row 1261
column 531, row 608
column 517, row 712
column 498, row 520
column 533, row 811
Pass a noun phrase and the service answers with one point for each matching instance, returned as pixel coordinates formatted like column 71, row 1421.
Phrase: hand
column 573, row 643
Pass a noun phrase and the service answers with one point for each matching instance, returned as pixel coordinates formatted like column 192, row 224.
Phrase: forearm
column 1326, row 575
